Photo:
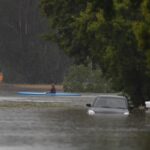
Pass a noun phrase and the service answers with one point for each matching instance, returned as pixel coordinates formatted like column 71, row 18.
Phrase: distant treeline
column 24, row 55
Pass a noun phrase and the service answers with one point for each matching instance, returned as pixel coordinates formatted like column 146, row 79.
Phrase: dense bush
column 84, row 79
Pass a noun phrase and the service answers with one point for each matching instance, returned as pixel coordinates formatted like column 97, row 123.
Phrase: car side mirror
column 88, row 105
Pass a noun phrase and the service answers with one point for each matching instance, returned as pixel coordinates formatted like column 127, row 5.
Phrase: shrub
column 83, row 79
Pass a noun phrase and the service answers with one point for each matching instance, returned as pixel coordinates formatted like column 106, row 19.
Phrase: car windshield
column 110, row 102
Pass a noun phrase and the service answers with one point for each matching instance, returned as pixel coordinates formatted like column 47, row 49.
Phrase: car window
column 110, row 102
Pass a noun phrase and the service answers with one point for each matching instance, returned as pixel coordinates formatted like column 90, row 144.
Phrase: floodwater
column 69, row 127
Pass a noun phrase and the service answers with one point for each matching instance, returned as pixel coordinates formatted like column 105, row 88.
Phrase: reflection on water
column 72, row 129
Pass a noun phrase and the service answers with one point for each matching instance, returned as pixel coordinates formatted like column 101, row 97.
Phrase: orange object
column 1, row 77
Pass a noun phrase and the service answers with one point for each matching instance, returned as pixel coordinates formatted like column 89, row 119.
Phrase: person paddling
column 53, row 89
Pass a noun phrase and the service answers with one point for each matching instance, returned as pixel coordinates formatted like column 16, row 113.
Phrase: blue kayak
column 47, row 93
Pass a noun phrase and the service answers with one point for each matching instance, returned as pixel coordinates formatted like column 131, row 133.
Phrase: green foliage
column 141, row 30
column 114, row 35
column 84, row 79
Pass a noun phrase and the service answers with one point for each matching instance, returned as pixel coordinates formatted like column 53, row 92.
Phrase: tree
column 113, row 34
column 141, row 29
column 61, row 15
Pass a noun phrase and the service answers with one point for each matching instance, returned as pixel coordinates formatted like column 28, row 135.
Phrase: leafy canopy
column 113, row 34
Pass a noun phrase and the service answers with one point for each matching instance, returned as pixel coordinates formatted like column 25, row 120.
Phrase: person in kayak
column 53, row 89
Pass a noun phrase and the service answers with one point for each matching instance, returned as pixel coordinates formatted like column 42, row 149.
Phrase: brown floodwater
column 67, row 126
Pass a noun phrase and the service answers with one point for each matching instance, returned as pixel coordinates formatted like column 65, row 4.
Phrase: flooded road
column 67, row 126
column 71, row 129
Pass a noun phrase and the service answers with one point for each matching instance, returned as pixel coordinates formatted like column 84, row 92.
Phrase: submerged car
column 109, row 104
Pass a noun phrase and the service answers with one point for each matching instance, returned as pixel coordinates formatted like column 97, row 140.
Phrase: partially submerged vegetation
column 82, row 78
column 28, row 105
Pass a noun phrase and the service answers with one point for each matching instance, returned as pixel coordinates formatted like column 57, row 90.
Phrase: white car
column 109, row 104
